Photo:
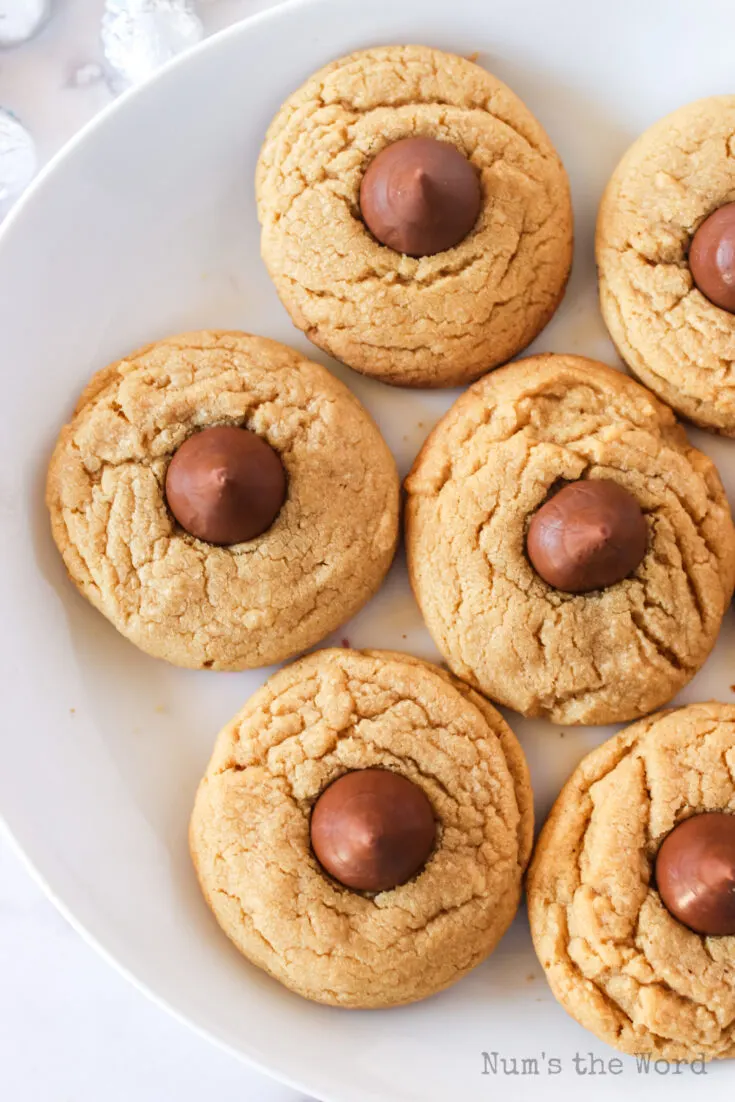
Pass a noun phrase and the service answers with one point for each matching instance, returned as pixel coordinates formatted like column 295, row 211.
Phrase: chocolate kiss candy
column 420, row 196
column 590, row 535
column 225, row 485
column 372, row 830
column 712, row 257
column 695, row 873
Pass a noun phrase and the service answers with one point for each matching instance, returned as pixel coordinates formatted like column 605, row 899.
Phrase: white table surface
column 71, row 1028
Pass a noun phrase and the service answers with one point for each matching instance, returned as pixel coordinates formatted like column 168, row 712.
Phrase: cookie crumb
column 72, row 711
column 732, row 688
column 473, row 56
column 561, row 734
column 404, row 637
column 160, row 708
column 345, row 642
column 530, row 977
column 85, row 75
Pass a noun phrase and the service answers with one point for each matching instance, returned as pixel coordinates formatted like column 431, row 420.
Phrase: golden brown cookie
column 673, row 338
column 615, row 958
column 190, row 602
column 331, row 713
column 505, row 446
column 440, row 320
column 514, row 756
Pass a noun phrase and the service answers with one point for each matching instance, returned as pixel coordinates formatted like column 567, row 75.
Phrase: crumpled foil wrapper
column 18, row 161
column 20, row 19
column 138, row 36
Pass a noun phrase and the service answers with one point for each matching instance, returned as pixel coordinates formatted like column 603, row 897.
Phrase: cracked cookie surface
column 615, row 958
column 190, row 602
column 437, row 321
column 325, row 715
column 673, row 338
column 490, row 463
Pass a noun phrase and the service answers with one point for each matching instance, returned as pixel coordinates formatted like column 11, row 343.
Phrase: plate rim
column 7, row 835
column 99, row 119
column 16, row 212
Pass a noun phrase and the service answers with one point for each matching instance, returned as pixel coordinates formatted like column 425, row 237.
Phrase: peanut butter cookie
column 675, row 338
column 603, row 625
column 303, row 564
column 468, row 297
column 309, row 766
column 616, row 957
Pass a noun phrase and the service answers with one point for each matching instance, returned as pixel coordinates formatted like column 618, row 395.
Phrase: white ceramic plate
column 146, row 225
